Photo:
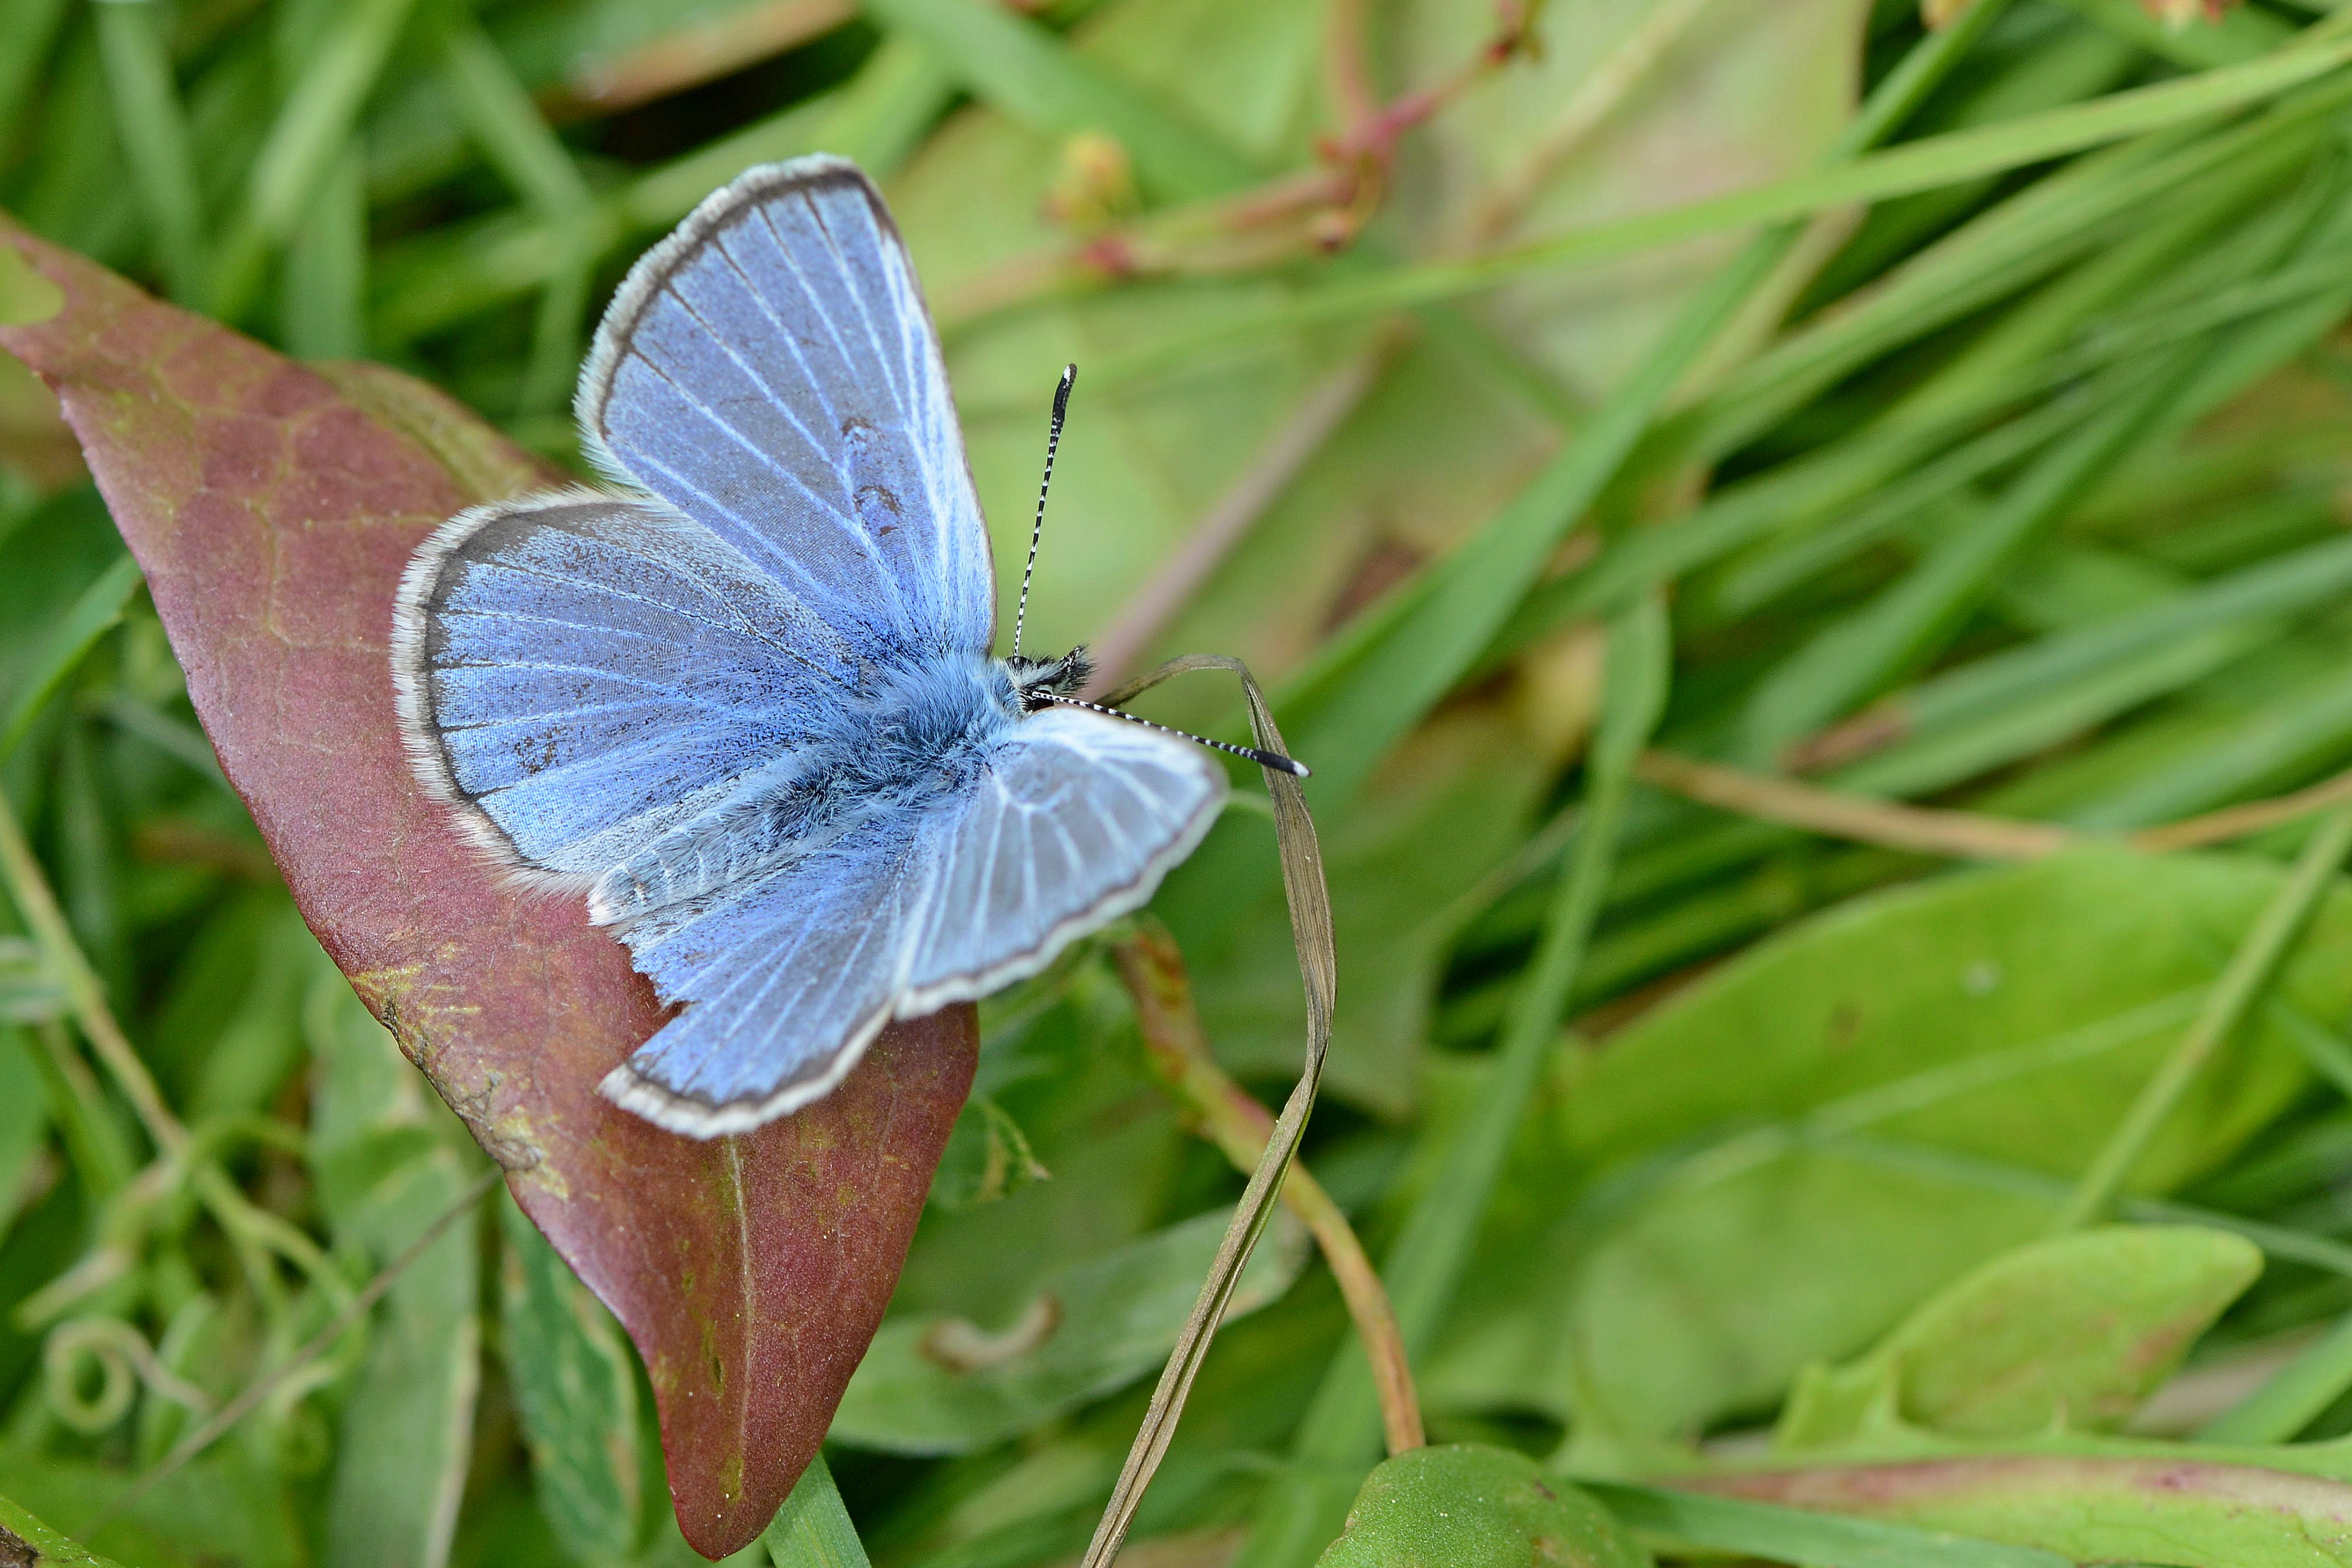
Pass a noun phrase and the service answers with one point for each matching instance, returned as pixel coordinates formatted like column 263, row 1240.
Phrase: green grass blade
column 876, row 120
column 2236, row 35
column 153, row 127
column 91, row 618
column 505, row 123
column 1029, row 74
column 1472, row 592
column 325, row 277
column 1896, row 631
column 1924, row 164
column 31, row 28
column 2241, row 985
column 310, row 131
column 2291, row 1398
column 2284, row 586
column 813, row 1529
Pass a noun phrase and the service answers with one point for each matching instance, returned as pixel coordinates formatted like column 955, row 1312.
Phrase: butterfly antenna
column 1037, row 528
column 1280, row 764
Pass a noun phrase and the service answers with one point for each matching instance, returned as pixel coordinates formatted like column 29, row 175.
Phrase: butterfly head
column 1038, row 681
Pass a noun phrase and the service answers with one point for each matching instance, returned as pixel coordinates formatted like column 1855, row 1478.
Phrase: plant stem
column 2240, row 986
column 1153, row 967
column 1960, row 835
column 1861, row 818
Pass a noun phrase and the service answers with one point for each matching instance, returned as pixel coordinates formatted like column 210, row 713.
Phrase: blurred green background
column 2004, row 472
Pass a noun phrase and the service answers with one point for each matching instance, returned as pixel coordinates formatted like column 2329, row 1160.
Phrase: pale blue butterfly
column 747, row 704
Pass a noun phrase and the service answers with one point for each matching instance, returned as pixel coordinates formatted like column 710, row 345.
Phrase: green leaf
column 1467, row 1507
column 813, row 1529
column 575, row 1385
column 1405, row 867
column 937, row 1385
column 154, row 129
column 987, row 1158
column 1777, row 1166
column 2073, row 1332
column 220, row 1509
column 25, row 295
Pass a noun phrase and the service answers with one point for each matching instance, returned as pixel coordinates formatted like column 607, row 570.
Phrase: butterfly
column 745, row 701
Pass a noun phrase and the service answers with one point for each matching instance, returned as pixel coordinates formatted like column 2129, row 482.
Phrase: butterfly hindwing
column 787, row 977
column 1074, row 822
column 770, row 371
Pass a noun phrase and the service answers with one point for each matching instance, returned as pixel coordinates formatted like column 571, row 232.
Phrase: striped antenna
column 1037, row 528
column 1290, row 765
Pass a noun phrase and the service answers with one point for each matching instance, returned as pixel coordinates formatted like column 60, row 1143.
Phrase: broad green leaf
column 1778, row 1165
column 577, row 1388
column 1072, row 1076
column 25, row 295
column 2073, row 1332
column 1467, row 1507
column 935, row 1384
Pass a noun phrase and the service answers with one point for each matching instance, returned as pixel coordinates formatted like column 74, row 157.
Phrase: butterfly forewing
column 578, row 672
column 770, row 370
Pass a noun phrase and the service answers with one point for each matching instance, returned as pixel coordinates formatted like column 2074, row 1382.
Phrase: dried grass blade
column 1310, row 929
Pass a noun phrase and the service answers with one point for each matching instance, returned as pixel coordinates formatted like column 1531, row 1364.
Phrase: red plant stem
column 1153, row 968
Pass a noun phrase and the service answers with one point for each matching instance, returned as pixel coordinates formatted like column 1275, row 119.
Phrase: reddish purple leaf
column 272, row 506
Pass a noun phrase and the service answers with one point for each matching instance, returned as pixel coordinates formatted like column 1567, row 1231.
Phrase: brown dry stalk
column 1888, row 823
column 1962, row 834
column 2238, row 821
column 1153, row 968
